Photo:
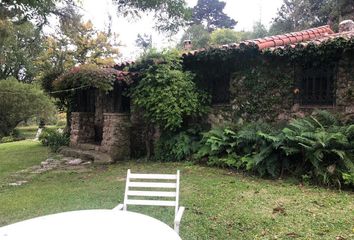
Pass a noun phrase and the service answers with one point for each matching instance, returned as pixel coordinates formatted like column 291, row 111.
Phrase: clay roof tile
column 315, row 35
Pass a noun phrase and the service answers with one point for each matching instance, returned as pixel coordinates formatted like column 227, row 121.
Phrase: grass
column 220, row 204
column 29, row 132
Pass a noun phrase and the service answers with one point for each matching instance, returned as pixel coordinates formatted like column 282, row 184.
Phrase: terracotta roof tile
column 314, row 35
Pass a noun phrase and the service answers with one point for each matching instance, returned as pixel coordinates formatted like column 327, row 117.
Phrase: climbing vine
column 164, row 92
column 262, row 82
column 89, row 76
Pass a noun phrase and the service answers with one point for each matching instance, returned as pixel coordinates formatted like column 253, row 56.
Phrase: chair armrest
column 118, row 207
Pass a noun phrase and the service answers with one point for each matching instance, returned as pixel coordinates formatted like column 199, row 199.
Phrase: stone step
column 88, row 155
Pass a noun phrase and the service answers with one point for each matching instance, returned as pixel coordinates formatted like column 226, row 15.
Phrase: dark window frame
column 220, row 91
column 316, row 85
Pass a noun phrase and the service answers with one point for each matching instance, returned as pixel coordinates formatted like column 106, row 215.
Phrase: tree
column 259, row 30
column 20, row 102
column 224, row 36
column 77, row 43
column 295, row 15
column 20, row 11
column 169, row 14
column 198, row 35
column 144, row 41
column 346, row 9
column 19, row 48
column 210, row 13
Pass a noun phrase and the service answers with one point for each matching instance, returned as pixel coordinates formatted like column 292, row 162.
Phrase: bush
column 319, row 147
column 177, row 147
column 54, row 139
column 165, row 92
column 14, row 136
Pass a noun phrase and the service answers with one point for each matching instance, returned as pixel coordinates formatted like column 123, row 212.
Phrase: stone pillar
column 345, row 86
column 116, row 135
column 82, row 128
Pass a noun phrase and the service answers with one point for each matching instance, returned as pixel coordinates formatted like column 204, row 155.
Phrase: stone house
column 273, row 78
column 279, row 77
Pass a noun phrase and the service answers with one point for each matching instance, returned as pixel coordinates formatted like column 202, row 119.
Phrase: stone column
column 116, row 135
column 345, row 86
column 82, row 128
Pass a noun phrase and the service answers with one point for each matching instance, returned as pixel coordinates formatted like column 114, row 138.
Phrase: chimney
column 187, row 45
column 346, row 26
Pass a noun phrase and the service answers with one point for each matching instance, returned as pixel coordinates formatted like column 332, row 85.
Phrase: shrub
column 14, row 136
column 235, row 146
column 53, row 139
column 177, row 147
column 165, row 92
column 319, row 147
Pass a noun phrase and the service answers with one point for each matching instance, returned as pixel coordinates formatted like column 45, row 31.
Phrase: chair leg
column 176, row 228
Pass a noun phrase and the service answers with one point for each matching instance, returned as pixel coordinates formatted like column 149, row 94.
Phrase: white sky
column 245, row 12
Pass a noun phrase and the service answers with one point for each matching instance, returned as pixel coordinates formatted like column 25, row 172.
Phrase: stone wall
column 82, row 128
column 116, row 136
column 266, row 90
column 220, row 114
column 263, row 89
column 345, row 86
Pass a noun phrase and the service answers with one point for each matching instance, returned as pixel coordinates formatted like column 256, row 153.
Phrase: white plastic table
column 90, row 224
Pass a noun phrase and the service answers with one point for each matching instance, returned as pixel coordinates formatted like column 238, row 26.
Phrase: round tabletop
column 90, row 224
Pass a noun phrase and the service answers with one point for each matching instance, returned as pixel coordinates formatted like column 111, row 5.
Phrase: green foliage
column 199, row 36
column 177, row 147
column 259, row 30
column 324, row 145
column 296, row 15
column 318, row 147
column 20, row 11
column 224, row 36
column 166, row 94
column 210, row 13
column 169, row 14
column 88, row 75
column 78, row 43
column 19, row 48
column 54, row 139
column 14, row 136
column 20, row 102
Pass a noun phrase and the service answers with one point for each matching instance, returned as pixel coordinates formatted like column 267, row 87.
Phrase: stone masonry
column 82, row 128
column 116, row 135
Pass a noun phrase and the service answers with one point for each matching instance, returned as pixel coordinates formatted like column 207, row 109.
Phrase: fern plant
column 323, row 145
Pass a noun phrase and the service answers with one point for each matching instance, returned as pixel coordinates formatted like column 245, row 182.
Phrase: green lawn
column 29, row 132
column 220, row 204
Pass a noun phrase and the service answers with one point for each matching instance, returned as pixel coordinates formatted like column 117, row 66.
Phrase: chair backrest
column 152, row 186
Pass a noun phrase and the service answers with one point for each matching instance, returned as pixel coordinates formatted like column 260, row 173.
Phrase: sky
column 245, row 12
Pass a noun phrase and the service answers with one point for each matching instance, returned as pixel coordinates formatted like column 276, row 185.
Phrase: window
column 220, row 85
column 317, row 86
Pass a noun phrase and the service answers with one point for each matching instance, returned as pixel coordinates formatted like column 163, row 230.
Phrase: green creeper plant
column 165, row 93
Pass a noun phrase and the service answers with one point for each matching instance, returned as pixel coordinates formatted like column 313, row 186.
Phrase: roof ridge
column 292, row 37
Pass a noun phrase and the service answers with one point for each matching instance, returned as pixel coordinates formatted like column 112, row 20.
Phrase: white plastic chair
column 134, row 188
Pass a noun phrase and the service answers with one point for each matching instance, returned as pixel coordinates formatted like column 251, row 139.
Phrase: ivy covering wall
column 262, row 85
